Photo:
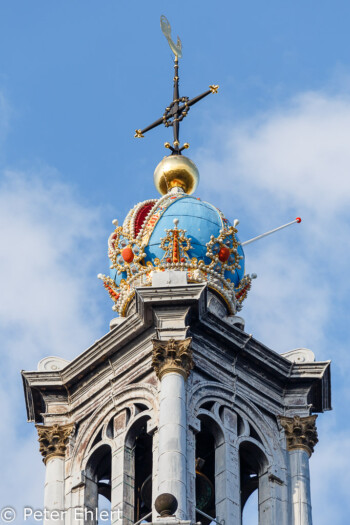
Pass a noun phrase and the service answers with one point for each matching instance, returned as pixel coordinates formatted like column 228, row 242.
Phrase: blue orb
column 200, row 220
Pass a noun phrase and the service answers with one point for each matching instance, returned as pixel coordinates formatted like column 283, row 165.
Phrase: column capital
column 53, row 440
column 301, row 432
column 172, row 356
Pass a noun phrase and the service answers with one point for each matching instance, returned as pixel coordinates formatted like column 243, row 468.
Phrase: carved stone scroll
column 172, row 356
column 301, row 432
column 53, row 440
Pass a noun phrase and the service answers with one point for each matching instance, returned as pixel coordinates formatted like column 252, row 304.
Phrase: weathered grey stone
column 238, row 389
column 52, row 363
column 169, row 278
column 300, row 355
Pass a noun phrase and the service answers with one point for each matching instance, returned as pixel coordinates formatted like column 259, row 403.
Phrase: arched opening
column 209, row 443
column 253, row 464
column 98, row 474
column 104, row 510
column 205, row 475
column 250, row 514
column 140, row 445
column 143, row 475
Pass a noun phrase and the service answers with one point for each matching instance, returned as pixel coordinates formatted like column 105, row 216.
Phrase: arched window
column 209, row 447
column 253, row 464
column 104, row 510
column 139, row 444
column 98, row 483
column 250, row 514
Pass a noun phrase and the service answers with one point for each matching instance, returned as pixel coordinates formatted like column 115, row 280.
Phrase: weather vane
column 180, row 106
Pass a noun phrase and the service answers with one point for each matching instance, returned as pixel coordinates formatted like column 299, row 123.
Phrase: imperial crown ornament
column 206, row 247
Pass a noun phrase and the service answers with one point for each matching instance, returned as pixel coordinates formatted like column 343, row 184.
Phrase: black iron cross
column 179, row 107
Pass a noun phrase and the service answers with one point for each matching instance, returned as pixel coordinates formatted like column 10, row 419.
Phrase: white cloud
column 330, row 473
column 46, row 253
column 299, row 153
column 295, row 160
column 289, row 161
column 48, row 266
column 292, row 160
column 311, row 154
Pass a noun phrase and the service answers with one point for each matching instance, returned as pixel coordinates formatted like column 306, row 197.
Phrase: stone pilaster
column 301, row 432
column 53, row 440
column 301, row 438
column 53, row 443
column 172, row 356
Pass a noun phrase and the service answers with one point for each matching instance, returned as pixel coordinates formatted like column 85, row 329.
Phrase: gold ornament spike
column 167, row 145
column 175, row 245
column 138, row 134
column 214, row 89
column 186, row 145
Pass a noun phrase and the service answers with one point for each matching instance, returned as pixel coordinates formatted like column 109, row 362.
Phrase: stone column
column 227, row 482
column 53, row 442
column 123, row 474
column 172, row 361
column 273, row 500
column 154, row 471
column 123, row 483
column 301, row 437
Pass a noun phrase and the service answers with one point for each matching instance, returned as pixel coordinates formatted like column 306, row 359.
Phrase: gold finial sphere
column 176, row 171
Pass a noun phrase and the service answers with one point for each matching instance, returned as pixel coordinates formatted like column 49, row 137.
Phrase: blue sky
column 76, row 79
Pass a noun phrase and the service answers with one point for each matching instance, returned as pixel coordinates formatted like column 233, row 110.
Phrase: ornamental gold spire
column 175, row 245
column 175, row 172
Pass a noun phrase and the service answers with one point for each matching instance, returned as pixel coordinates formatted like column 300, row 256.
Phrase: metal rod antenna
column 176, row 127
column 297, row 220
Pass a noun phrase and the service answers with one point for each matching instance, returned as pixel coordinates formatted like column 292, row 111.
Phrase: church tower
column 177, row 415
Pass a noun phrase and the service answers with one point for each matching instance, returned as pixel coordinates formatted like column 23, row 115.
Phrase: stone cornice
column 188, row 294
column 301, row 432
column 53, row 440
column 269, row 360
column 172, row 356
column 219, row 339
column 266, row 360
column 133, row 326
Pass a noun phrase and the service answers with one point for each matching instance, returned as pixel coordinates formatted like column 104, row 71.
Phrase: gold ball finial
column 176, row 171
